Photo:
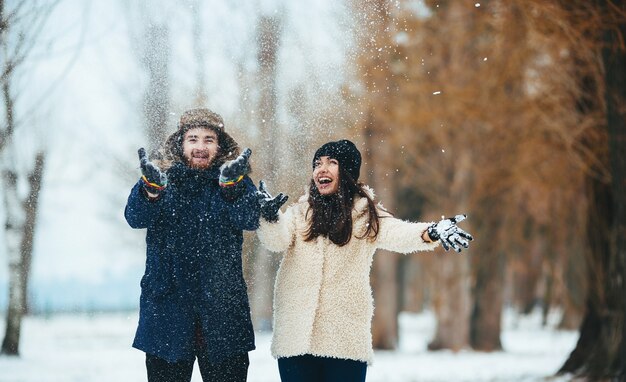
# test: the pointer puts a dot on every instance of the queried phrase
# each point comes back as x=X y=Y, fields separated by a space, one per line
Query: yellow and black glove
x=154 y=180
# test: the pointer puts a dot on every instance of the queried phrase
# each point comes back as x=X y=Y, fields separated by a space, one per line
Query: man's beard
x=204 y=164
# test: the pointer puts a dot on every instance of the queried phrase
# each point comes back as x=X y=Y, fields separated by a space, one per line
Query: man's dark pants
x=233 y=369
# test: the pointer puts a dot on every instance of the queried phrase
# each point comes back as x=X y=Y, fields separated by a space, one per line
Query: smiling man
x=200 y=145
x=195 y=203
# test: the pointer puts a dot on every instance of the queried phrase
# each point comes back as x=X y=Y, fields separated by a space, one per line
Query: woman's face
x=326 y=175
x=200 y=147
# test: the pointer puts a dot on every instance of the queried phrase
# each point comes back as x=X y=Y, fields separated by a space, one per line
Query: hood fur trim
x=360 y=204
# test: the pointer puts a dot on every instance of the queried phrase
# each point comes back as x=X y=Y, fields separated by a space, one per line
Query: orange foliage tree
x=481 y=105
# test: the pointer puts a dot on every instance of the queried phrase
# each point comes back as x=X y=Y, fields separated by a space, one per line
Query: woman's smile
x=326 y=175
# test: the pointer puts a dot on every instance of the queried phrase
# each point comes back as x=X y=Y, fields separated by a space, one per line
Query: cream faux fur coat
x=323 y=302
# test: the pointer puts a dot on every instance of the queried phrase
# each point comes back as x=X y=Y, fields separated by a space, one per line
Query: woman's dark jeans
x=308 y=368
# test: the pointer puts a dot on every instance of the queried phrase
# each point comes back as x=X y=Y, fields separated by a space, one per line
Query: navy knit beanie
x=345 y=152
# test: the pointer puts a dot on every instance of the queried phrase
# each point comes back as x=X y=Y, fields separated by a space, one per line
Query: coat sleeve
x=278 y=236
x=140 y=212
x=244 y=211
x=402 y=236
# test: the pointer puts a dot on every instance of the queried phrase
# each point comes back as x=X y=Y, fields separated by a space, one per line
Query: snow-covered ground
x=96 y=348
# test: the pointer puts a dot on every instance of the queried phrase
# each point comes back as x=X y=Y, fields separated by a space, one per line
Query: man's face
x=200 y=147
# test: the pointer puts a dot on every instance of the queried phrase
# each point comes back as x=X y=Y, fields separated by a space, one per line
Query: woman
x=322 y=297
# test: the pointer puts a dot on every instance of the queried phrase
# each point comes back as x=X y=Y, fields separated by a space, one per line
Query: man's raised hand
x=154 y=180
x=233 y=171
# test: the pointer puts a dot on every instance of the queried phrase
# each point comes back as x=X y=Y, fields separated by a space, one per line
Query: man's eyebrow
x=192 y=136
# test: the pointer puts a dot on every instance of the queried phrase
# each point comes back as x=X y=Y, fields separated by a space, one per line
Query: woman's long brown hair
x=332 y=214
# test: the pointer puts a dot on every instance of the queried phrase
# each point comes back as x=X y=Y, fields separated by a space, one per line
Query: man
x=195 y=205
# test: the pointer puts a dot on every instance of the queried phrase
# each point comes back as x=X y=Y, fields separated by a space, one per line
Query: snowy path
x=82 y=348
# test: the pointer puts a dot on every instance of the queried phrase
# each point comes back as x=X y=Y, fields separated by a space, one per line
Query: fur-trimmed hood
x=360 y=203
x=171 y=151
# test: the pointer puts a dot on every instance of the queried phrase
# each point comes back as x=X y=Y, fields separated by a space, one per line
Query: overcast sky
x=83 y=91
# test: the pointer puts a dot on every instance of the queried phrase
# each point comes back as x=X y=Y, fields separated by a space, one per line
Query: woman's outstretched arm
x=403 y=236
x=278 y=236
x=276 y=230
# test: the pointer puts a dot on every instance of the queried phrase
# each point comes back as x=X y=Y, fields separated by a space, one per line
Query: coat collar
x=190 y=180
x=360 y=203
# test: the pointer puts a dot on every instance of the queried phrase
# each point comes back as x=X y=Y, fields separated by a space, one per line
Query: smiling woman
x=336 y=169
x=326 y=175
x=322 y=296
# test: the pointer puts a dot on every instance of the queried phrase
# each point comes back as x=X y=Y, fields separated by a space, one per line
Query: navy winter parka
x=193 y=277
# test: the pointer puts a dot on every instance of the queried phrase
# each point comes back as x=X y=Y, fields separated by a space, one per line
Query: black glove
x=231 y=176
x=269 y=205
x=233 y=171
x=154 y=180
x=449 y=234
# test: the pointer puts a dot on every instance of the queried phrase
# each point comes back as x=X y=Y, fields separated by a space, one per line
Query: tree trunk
x=385 y=288
x=489 y=268
x=452 y=300
x=265 y=263
x=490 y=261
x=413 y=284
x=592 y=345
x=614 y=57
x=600 y=351
x=15 y=221
x=198 y=52
x=575 y=282
x=413 y=275
x=384 y=277
x=157 y=96
x=20 y=222
x=25 y=24
x=485 y=324
x=528 y=275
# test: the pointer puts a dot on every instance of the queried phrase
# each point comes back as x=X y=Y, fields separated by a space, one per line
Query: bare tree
x=198 y=51
x=20 y=29
x=156 y=56
x=384 y=276
x=20 y=232
x=149 y=35
x=268 y=42
x=374 y=39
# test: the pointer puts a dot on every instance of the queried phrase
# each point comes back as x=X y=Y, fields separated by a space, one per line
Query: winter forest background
x=512 y=111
